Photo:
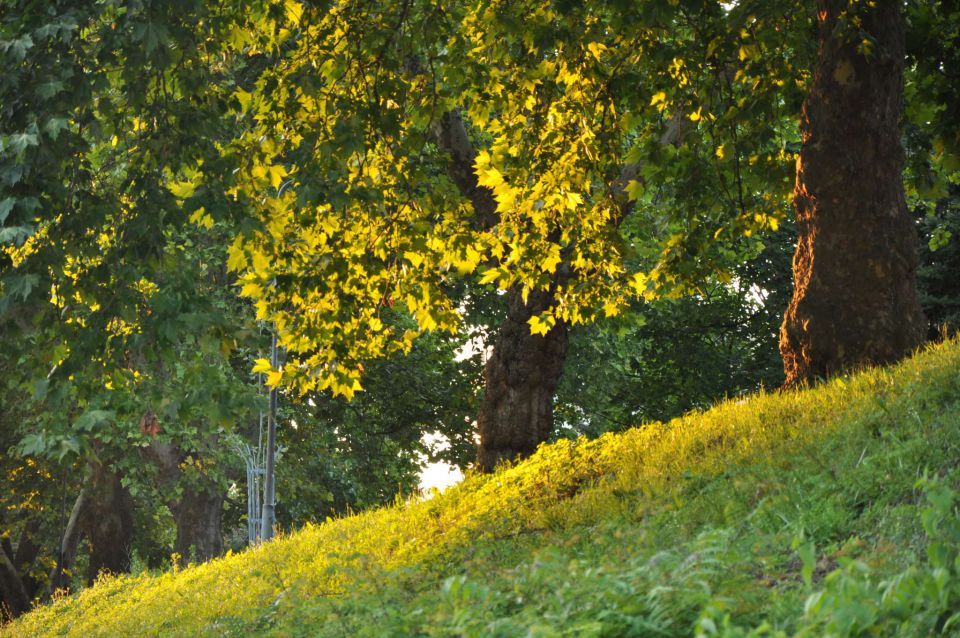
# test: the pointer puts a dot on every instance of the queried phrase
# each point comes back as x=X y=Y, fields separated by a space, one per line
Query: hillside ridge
x=775 y=515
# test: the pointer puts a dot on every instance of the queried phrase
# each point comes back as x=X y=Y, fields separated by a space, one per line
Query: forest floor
x=830 y=511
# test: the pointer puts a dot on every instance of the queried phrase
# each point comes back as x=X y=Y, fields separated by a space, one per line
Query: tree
x=397 y=150
x=855 y=298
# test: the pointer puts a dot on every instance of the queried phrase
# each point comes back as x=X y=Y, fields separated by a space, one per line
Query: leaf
x=54 y=125
x=749 y=52
x=95 y=419
x=33 y=445
x=6 y=206
x=20 y=285
x=549 y=263
x=262 y=365
x=236 y=256
x=15 y=234
x=541 y=324
x=273 y=378
x=490 y=275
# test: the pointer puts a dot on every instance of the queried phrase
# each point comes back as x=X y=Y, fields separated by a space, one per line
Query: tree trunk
x=15 y=600
x=198 y=513
x=27 y=551
x=108 y=523
x=60 y=574
x=855 y=299
x=520 y=380
x=521 y=376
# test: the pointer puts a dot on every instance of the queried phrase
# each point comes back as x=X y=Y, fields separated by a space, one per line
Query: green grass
x=822 y=512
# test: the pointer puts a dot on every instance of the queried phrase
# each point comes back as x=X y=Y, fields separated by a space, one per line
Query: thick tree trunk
x=520 y=380
x=198 y=512
x=855 y=299
x=107 y=523
x=521 y=376
x=198 y=515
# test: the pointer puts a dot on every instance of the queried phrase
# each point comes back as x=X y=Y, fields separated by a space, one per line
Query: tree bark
x=521 y=375
x=520 y=379
x=198 y=513
x=107 y=522
x=855 y=300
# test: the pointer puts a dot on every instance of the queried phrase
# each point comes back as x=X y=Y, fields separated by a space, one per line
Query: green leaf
x=54 y=125
x=33 y=445
x=95 y=419
x=6 y=206
x=15 y=234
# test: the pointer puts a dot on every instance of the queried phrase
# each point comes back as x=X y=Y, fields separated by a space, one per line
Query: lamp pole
x=269 y=482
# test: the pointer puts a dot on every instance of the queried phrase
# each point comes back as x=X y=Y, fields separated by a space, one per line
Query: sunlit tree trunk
x=855 y=299
x=520 y=380
x=521 y=375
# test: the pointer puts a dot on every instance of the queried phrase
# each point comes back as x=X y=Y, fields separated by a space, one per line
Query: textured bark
x=69 y=543
x=520 y=378
x=107 y=522
x=855 y=300
x=198 y=512
x=523 y=371
x=451 y=135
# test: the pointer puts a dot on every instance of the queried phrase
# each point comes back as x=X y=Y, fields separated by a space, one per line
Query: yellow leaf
x=182 y=190
x=273 y=378
x=611 y=308
x=200 y=218
x=250 y=290
x=261 y=262
x=489 y=177
x=720 y=151
x=596 y=48
x=541 y=324
x=261 y=365
x=236 y=258
x=658 y=98
x=414 y=258
x=489 y=276
x=695 y=116
x=550 y=262
x=277 y=173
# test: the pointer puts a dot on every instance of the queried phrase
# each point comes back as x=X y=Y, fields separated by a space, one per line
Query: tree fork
x=521 y=375
x=855 y=300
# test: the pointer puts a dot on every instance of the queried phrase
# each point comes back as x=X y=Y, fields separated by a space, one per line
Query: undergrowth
x=830 y=511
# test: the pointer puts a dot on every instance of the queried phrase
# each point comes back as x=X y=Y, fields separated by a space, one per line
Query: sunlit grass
x=738 y=511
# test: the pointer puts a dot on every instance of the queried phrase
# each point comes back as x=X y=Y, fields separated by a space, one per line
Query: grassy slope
x=715 y=521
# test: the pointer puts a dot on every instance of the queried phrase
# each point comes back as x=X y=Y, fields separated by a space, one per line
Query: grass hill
x=830 y=511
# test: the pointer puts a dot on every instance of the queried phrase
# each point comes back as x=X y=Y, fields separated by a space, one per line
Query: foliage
x=715 y=521
x=578 y=115
x=668 y=356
